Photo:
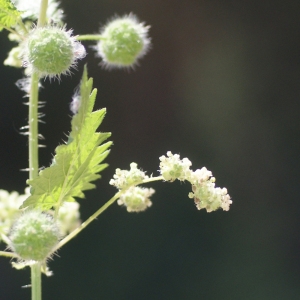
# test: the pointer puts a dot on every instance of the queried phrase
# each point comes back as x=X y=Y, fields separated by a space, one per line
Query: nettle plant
x=36 y=224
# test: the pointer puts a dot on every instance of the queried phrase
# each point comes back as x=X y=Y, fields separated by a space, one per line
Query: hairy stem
x=36 y=275
x=36 y=281
x=33 y=127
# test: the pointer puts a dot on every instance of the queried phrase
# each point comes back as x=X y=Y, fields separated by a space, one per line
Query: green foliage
x=9 y=15
x=76 y=163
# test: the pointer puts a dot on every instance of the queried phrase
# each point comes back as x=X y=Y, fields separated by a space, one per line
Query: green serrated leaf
x=9 y=15
x=77 y=163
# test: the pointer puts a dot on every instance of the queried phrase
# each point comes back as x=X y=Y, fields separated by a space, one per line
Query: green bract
x=34 y=236
x=124 y=40
x=52 y=51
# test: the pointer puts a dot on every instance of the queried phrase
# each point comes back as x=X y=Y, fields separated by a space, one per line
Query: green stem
x=8 y=254
x=33 y=127
x=14 y=32
x=36 y=275
x=20 y=22
x=97 y=213
x=88 y=221
x=89 y=37
x=36 y=281
x=43 y=13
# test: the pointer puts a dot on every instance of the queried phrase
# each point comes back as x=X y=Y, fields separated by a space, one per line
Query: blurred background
x=219 y=86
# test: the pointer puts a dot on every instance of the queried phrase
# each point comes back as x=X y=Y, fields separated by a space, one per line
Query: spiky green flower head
x=124 y=41
x=52 y=51
x=34 y=236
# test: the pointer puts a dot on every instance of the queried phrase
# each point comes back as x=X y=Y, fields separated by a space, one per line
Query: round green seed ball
x=34 y=236
x=124 y=40
x=50 y=51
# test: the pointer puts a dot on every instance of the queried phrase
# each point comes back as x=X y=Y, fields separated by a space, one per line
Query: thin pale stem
x=8 y=254
x=33 y=127
x=43 y=13
x=36 y=281
x=97 y=213
x=20 y=22
x=14 y=32
x=87 y=222
x=89 y=37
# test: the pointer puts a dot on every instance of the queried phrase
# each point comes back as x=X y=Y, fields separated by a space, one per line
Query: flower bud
x=34 y=236
x=52 y=51
x=124 y=41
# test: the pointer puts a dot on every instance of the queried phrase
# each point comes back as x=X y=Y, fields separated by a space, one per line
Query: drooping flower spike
x=205 y=194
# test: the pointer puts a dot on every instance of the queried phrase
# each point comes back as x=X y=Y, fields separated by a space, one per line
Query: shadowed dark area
x=219 y=86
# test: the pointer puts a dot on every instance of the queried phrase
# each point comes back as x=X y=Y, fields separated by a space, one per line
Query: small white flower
x=199 y=176
x=9 y=209
x=136 y=199
x=205 y=194
x=68 y=217
x=124 y=179
x=172 y=167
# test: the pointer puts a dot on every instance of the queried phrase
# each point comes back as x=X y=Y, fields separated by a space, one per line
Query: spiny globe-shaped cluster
x=124 y=40
x=52 y=51
x=34 y=236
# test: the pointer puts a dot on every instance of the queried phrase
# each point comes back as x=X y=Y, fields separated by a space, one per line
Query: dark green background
x=221 y=87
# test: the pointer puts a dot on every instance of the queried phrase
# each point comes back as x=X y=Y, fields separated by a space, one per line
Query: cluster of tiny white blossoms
x=205 y=194
x=123 y=179
x=172 y=167
x=68 y=217
x=135 y=198
x=9 y=209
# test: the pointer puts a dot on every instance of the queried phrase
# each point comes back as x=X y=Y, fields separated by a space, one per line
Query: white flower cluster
x=123 y=179
x=172 y=167
x=205 y=194
x=136 y=199
x=9 y=209
x=68 y=217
